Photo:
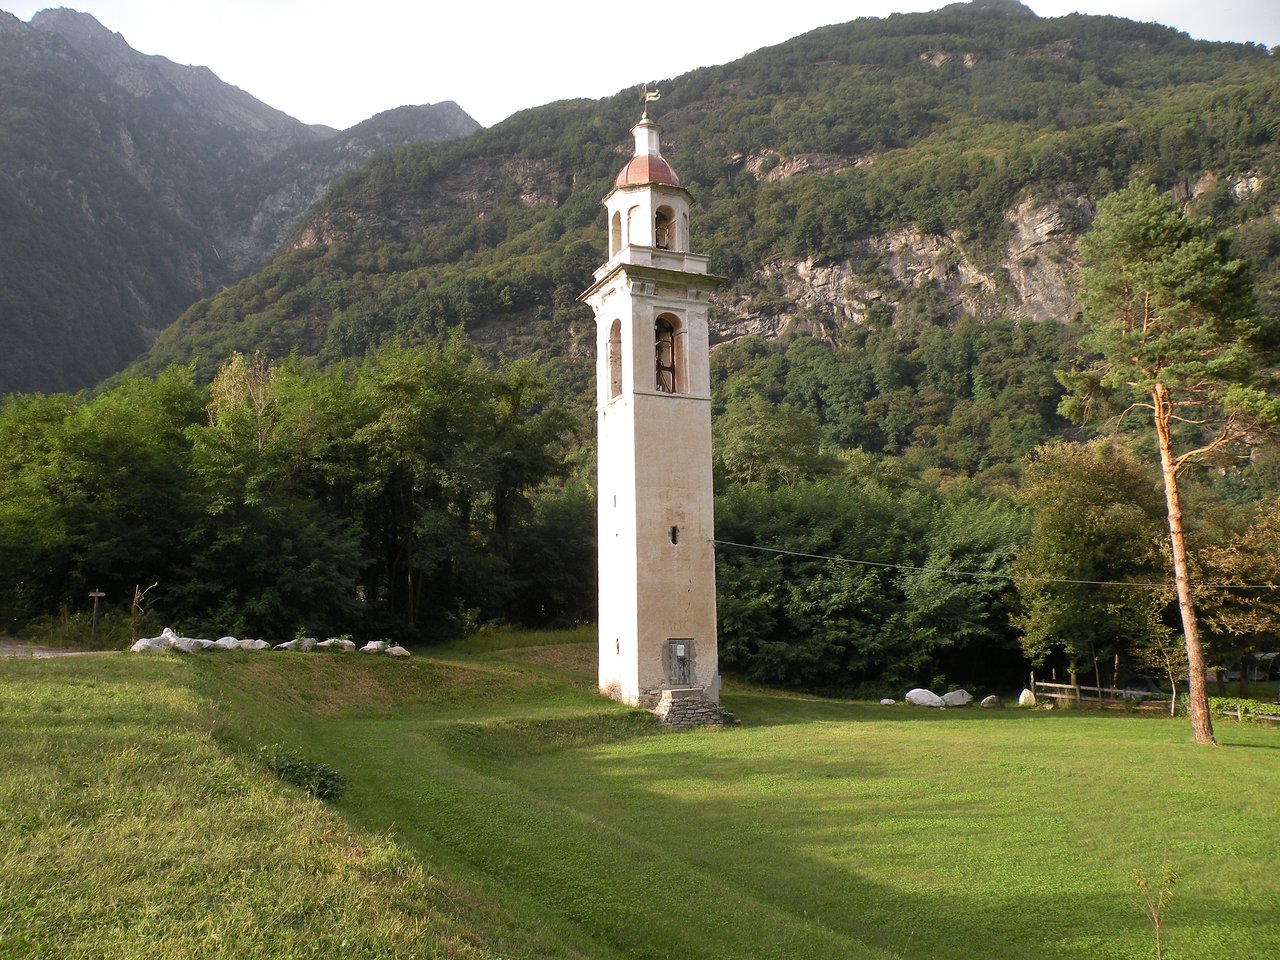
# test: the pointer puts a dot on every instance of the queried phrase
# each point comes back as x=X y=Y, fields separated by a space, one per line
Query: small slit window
x=615 y=359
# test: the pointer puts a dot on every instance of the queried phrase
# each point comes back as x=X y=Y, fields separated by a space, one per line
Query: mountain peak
x=85 y=33
x=1003 y=8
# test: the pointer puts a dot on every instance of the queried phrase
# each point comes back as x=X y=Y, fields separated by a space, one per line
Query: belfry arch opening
x=615 y=234
x=668 y=361
x=664 y=229
x=615 y=359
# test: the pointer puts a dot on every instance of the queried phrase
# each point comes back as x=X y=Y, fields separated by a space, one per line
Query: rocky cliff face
x=270 y=206
x=1034 y=277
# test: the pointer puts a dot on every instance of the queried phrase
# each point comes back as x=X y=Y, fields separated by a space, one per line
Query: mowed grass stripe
x=633 y=894
x=999 y=835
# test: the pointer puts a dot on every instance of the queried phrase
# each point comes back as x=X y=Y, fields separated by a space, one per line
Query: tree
x=1097 y=522
x=758 y=442
x=1242 y=607
x=958 y=619
x=1170 y=319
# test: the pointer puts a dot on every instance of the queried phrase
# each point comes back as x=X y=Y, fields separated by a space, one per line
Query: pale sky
x=338 y=62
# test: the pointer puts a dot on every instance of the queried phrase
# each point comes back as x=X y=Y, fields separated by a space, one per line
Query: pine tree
x=1172 y=322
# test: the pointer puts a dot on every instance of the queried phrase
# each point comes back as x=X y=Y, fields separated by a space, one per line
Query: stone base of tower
x=685 y=708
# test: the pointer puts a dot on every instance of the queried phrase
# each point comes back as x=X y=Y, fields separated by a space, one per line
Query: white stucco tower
x=656 y=558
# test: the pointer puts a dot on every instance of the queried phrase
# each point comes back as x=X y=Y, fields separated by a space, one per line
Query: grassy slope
x=554 y=824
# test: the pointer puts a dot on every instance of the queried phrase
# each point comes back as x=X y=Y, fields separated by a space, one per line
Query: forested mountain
x=896 y=174
x=130 y=186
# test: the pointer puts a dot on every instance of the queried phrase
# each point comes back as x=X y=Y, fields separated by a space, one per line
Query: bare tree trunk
x=1198 y=698
x=1173 y=686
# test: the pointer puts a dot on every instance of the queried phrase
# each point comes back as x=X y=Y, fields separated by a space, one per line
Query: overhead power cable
x=982 y=575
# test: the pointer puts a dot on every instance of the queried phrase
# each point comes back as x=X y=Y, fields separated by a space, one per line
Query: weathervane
x=648 y=96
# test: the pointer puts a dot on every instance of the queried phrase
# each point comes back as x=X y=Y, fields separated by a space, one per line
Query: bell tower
x=657 y=614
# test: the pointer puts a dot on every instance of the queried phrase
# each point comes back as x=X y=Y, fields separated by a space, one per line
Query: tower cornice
x=707 y=281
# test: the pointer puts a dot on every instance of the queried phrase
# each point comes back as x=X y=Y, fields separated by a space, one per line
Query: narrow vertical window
x=615 y=234
x=615 y=359
x=666 y=355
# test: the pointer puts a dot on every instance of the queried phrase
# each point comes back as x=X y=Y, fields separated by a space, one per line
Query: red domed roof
x=649 y=168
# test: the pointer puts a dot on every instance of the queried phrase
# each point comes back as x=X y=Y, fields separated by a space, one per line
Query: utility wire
x=980 y=575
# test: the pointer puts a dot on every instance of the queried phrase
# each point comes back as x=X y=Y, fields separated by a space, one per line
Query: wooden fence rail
x=1079 y=693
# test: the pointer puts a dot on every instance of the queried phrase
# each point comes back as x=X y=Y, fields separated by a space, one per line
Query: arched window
x=615 y=358
x=666 y=355
x=635 y=226
x=615 y=234
x=664 y=229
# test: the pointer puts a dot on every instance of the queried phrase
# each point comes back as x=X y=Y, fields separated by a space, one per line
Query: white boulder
x=375 y=646
x=301 y=644
x=923 y=698
x=992 y=703
x=957 y=698
x=1026 y=699
x=189 y=644
x=398 y=651
x=336 y=643
x=887 y=702
x=247 y=644
x=227 y=643
x=150 y=645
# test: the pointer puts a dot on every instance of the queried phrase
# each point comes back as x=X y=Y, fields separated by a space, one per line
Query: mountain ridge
x=149 y=75
x=132 y=186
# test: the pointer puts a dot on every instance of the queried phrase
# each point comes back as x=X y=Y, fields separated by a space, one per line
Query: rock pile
x=954 y=698
x=168 y=640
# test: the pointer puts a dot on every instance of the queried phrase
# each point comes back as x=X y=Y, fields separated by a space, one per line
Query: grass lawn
x=499 y=808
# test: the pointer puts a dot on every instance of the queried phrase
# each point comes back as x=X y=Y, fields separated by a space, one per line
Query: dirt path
x=30 y=651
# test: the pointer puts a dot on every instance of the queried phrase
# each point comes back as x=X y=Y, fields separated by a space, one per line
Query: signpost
x=97 y=595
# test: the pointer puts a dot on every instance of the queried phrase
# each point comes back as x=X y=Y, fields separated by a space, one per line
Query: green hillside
x=498 y=808
x=807 y=151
